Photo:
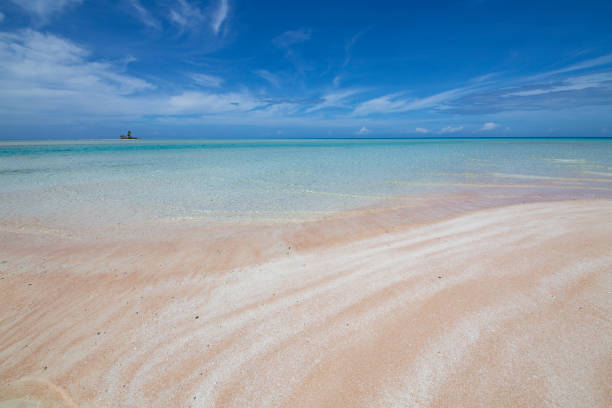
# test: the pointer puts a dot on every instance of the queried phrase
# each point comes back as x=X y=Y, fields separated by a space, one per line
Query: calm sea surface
x=122 y=181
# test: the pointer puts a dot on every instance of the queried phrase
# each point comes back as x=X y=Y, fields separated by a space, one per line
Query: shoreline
x=426 y=314
x=440 y=138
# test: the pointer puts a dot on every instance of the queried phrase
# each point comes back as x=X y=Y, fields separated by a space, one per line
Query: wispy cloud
x=349 y=46
x=334 y=100
x=269 y=76
x=287 y=42
x=394 y=103
x=219 y=16
x=43 y=73
x=144 y=15
x=1 y=16
x=347 y=56
x=291 y=37
x=383 y=104
x=568 y=89
x=33 y=59
x=587 y=89
x=207 y=80
x=435 y=100
x=186 y=16
x=486 y=77
x=211 y=103
x=488 y=126
x=569 y=84
x=43 y=10
x=590 y=63
x=273 y=111
x=337 y=79
x=451 y=129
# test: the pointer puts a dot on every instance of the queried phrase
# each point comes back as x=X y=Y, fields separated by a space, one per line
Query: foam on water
x=140 y=181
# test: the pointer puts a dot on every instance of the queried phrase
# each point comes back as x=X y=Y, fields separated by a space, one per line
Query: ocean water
x=98 y=182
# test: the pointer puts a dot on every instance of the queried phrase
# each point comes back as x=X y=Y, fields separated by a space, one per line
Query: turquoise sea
x=135 y=181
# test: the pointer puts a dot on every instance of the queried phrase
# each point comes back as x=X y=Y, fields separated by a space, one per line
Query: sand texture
x=500 y=307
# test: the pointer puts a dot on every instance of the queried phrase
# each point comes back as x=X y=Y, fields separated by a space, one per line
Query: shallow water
x=97 y=182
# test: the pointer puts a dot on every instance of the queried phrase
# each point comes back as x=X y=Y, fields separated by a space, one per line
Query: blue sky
x=232 y=68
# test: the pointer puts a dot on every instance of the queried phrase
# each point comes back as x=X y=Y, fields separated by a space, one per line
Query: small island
x=129 y=135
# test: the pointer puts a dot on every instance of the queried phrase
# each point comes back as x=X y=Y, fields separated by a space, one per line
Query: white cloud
x=451 y=129
x=269 y=76
x=144 y=15
x=594 y=62
x=334 y=99
x=206 y=80
x=42 y=73
x=421 y=130
x=337 y=79
x=1 y=16
x=207 y=103
x=276 y=111
x=291 y=37
x=485 y=77
x=363 y=131
x=50 y=78
x=44 y=9
x=30 y=59
x=287 y=42
x=186 y=16
x=219 y=16
x=382 y=104
x=434 y=100
x=392 y=103
x=576 y=83
x=349 y=46
x=489 y=126
x=573 y=91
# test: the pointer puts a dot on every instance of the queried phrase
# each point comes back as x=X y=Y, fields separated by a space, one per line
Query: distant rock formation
x=129 y=135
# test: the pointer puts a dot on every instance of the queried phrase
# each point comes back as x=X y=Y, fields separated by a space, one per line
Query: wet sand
x=506 y=306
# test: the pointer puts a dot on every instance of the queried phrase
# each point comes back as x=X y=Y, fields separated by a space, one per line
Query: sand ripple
x=499 y=307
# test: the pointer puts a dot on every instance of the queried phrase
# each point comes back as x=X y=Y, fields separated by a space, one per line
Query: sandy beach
x=505 y=306
x=346 y=204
